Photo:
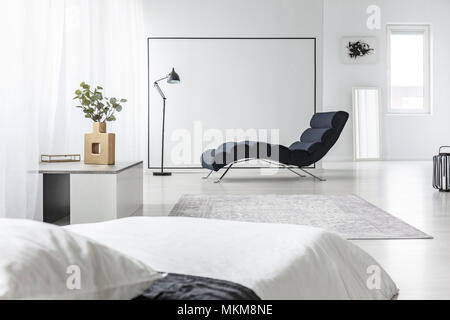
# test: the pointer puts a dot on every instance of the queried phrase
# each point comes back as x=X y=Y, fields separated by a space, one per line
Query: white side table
x=91 y=193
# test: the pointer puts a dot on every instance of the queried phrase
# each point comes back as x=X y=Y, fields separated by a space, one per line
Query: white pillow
x=43 y=261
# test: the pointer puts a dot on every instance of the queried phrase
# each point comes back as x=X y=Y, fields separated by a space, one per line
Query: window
x=409 y=69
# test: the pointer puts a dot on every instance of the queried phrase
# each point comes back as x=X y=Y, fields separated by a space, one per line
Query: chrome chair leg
x=208 y=175
x=312 y=175
x=223 y=175
x=284 y=166
x=300 y=175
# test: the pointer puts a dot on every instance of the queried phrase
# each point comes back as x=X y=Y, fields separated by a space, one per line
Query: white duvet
x=277 y=261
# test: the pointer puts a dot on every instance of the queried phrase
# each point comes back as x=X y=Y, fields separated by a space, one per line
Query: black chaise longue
x=314 y=144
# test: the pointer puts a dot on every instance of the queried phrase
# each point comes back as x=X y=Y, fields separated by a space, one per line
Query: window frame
x=427 y=76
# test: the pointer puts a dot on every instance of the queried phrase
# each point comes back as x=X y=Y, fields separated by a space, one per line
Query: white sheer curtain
x=19 y=181
x=55 y=45
x=101 y=43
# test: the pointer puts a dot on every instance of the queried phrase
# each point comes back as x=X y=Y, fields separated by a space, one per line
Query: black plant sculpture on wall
x=358 y=49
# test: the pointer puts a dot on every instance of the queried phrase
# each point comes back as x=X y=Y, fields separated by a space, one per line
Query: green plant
x=95 y=106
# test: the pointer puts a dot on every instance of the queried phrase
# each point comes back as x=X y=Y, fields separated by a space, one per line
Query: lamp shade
x=173 y=77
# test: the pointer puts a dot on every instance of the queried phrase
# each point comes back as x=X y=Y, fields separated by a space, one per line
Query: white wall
x=234 y=18
x=231 y=90
x=403 y=136
x=239 y=18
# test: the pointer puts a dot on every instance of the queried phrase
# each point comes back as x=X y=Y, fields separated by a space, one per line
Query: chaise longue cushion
x=309 y=147
x=314 y=143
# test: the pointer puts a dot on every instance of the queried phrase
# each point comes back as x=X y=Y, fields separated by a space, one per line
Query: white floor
x=421 y=268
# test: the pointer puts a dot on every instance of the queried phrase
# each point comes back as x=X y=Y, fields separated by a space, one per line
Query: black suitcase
x=441 y=170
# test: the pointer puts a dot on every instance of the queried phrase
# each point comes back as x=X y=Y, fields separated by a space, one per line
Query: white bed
x=276 y=261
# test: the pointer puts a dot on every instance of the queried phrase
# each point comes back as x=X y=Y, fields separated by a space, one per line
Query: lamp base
x=162 y=174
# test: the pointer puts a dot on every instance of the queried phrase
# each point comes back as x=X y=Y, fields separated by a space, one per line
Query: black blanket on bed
x=185 y=287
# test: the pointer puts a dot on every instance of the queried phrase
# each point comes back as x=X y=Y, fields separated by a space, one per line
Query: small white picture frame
x=359 y=50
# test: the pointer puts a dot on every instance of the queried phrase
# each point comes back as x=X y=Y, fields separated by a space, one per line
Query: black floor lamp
x=172 y=78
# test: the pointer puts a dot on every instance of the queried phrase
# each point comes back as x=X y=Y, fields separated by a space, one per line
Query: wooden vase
x=99 y=146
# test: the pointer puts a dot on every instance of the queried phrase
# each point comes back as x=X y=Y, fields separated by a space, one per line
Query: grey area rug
x=347 y=215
